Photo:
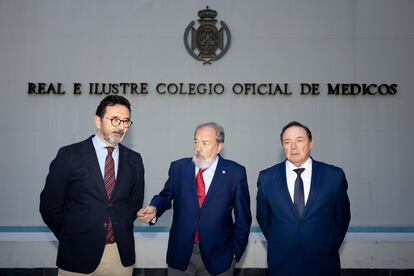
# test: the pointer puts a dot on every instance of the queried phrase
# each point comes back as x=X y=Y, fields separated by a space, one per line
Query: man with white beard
x=205 y=192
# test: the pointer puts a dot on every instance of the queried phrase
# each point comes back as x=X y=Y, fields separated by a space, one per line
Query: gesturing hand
x=147 y=213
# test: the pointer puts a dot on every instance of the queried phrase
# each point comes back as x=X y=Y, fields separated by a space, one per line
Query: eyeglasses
x=116 y=122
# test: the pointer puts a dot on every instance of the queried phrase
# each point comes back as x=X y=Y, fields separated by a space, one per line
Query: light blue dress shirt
x=102 y=151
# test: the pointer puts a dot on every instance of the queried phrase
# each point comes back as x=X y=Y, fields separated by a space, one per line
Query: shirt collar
x=307 y=165
x=212 y=167
x=99 y=143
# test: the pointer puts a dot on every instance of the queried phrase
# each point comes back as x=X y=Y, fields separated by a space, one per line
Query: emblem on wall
x=204 y=41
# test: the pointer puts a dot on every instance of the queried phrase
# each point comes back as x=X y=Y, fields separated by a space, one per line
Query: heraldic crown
x=207 y=13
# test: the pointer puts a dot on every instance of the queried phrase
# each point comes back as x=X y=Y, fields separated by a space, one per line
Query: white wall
x=315 y=41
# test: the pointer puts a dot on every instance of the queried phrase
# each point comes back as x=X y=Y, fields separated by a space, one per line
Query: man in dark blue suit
x=204 y=238
x=302 y=209
x=92 y=193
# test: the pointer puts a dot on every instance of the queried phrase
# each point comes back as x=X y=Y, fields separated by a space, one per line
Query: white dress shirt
x=208 y=174
x=306 y=178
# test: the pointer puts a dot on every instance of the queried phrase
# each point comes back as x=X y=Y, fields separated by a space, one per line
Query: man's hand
x=147 y=213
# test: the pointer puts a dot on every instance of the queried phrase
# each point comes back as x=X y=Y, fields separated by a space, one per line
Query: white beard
x=204 y=164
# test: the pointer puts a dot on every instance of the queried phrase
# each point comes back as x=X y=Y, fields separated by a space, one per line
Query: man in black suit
x=92 y=194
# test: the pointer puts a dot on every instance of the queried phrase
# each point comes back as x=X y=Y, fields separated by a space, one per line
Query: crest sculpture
x=206 y=42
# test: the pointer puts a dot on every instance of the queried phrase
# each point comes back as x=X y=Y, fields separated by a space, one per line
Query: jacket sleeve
x=137 y=192
x=52 y=197
x=342 y=213
x=262 y=208
x=242 y=216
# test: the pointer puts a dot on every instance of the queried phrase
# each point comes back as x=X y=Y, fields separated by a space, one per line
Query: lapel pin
x=223 y=172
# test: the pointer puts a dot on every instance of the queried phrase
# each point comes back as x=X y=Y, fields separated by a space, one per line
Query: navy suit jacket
x=220 y=237
x=307 y=246
x=74 y=205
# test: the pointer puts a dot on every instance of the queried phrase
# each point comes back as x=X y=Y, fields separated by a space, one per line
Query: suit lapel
x=91 y=160
x=122 y=163
x=189 y=178
x=216 y=182
x=314 y=187
x=280 y=178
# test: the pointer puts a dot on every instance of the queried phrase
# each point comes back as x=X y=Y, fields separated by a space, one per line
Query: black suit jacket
x=74 y=205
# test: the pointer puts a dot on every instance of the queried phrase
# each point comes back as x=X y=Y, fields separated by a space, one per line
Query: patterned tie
x=299 y=198
x=201 y=187
x=201 y=193
x=109 y=181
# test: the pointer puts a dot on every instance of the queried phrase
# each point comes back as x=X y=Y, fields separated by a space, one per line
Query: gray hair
x=219 y=130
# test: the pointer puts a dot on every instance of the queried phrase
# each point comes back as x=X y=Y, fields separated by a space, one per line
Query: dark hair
x=219 y=130
x=111 y=100
x=296 y=124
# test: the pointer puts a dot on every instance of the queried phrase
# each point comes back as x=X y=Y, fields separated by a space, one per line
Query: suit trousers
x=197 y=268
x=110 y=265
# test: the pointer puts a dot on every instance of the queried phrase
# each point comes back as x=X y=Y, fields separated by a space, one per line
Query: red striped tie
x=109 y=181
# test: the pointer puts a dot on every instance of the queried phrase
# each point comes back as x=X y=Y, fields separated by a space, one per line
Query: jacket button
x=110 y=204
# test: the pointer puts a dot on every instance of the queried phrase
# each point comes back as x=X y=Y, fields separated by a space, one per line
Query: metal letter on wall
x=207 y=43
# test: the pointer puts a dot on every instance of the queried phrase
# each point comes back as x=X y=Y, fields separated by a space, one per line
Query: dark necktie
x=299 y=198
x=201 y=192
x=109 y=181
